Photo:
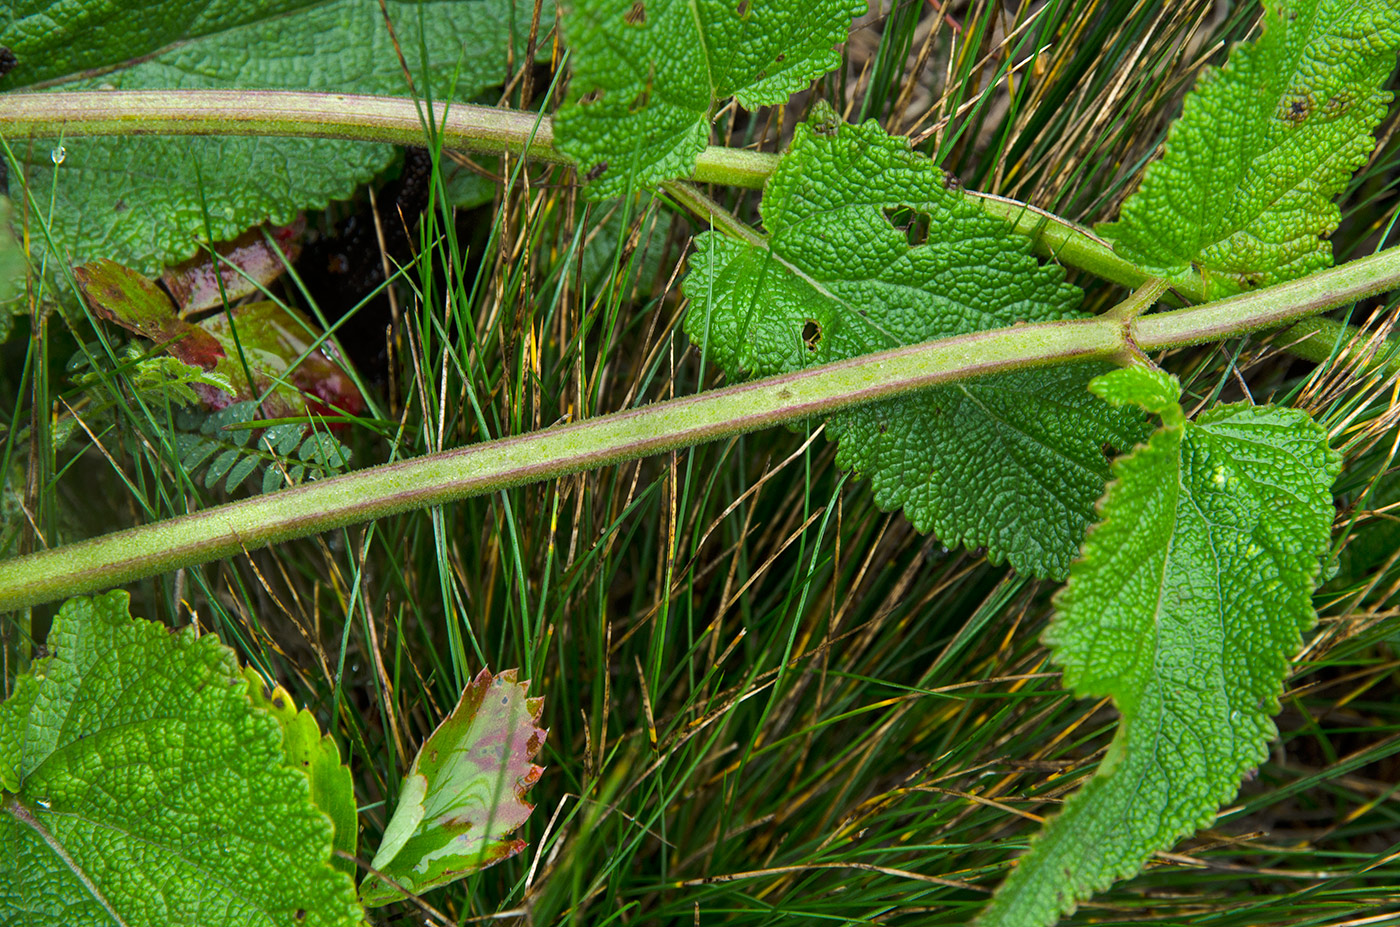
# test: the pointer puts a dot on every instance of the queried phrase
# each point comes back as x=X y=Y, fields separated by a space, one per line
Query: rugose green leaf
x=140 y=787
x=1191 y=595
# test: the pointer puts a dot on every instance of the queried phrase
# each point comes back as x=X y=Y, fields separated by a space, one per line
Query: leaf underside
x=1244 y=190
x=144 y=201
x=142 y=788
x=868 y=250
x=464 y=793
x=1191 y=596
x=646 y=75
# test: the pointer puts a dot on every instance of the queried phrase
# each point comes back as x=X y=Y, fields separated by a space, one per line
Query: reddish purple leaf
x=273 y=338
x=248 y=260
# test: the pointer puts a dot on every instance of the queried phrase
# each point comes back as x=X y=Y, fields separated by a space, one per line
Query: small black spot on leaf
x=637 y=16
x=743 y=8
x=592 y=96
x=596 y=171
x=781 y=57
x=1297 y=109
x=761 y=74
x=812 y=334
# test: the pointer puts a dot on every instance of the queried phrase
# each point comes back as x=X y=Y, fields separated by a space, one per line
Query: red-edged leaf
x=464 y=793
x=272 y=339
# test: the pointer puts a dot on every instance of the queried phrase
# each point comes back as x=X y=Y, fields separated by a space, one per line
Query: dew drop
x=58 y=154
x=1236 y=717
x=43 y=803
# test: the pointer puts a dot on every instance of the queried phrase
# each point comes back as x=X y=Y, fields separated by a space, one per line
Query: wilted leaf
x=464 y=792
x=268 y=337
x=204 y=282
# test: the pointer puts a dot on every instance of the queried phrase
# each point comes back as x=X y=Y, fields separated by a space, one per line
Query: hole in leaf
x=596 y=171
x=640 y=101
x=592 y=96
x=910 y=222
x=7 y=61
x=781 y=57
x=1109 y=450
x=812 y=334
x=952 y=182
x=636 y=16
x=743 y=8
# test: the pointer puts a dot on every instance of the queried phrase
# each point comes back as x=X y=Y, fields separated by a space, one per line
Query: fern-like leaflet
x=222 y=446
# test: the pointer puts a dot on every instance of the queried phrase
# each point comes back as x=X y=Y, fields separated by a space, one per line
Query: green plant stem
x=487 y=129
x=320 y=115
x=227 y=530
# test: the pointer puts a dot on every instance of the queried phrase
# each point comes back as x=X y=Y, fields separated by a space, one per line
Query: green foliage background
x=766 y=697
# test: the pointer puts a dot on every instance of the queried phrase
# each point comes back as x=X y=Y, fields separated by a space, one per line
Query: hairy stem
x=486 y=129
x=349 y=116
x=376 y=492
